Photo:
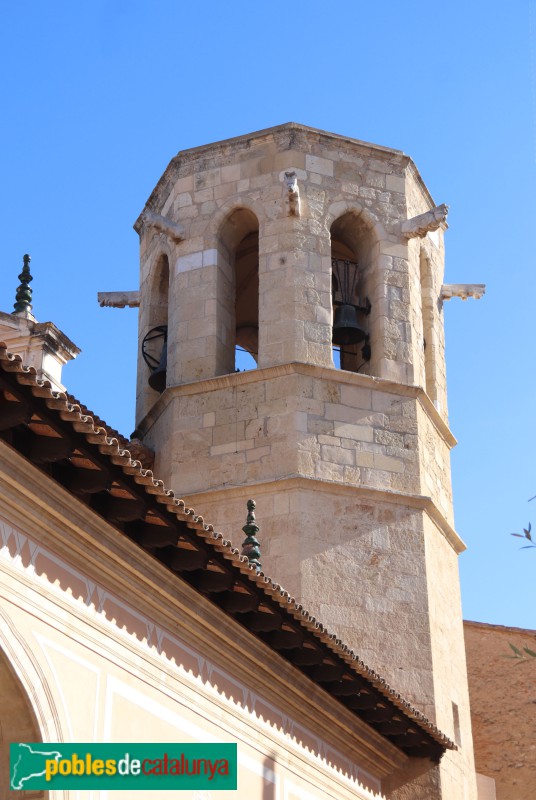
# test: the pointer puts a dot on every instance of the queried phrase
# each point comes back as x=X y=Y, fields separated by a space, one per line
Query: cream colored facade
x=102 y=643
x=350 y=468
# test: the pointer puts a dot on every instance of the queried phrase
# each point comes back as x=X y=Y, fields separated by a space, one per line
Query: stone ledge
x=238 y=379
x=292 y=482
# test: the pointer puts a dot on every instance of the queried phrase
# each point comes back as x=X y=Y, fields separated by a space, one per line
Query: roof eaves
x=112 y=446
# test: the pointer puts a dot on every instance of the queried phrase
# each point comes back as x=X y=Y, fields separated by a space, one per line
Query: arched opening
x=351 y=263
x=154 y=341
x=429 y=343
x=240 y=293
x=17 y=723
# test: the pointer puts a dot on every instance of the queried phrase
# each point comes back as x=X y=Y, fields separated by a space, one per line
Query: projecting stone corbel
x=119 y=299
x=424 y=223
x=291 y=181
x=173 y=230
x=462 y=290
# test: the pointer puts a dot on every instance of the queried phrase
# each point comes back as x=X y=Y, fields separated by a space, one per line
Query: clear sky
x=98 y=96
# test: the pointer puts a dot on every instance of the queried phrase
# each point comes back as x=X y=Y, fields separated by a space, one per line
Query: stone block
x=387 y=463
x=189 y=262
x=394 y=183
x=210 y=257
x=363 y=458
x=319 y=165
x=362 y=433
x=320 y=426
x=388 y=248
x=327 y=471
x=203 y=195
x=224 y=190
x=231 y=447
x=208 y=178
x=185 y=184
x=230 y=173
x=337 y=455
x=330 y=440
x=183 y=199
x=356 y=396
x=375 y=179
x=257 y=453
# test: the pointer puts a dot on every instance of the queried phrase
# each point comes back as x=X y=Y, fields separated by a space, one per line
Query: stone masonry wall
x=449 y=667
x=350 y=470
x=336 y=176
x=354 y=561
x=300 y=421
x=426 y=267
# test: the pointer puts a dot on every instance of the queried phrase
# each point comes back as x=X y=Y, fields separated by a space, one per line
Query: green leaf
x=516 y=650
x=529 y=652
x=519 y=535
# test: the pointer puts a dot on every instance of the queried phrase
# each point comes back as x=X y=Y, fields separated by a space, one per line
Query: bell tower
x=319 y=259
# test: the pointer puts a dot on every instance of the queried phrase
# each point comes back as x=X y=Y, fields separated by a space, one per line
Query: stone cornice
x=237 y=379
x=292 y=127
x=297 y=482
x=187 y=160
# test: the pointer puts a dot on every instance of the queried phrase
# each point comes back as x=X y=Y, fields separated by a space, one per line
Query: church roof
x=91 y=461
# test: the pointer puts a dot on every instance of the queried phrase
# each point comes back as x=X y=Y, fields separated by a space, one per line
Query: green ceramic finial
x=23 y=298
x=250 y=546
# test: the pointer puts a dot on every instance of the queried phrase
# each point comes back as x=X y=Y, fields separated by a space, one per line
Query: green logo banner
x=38 y=766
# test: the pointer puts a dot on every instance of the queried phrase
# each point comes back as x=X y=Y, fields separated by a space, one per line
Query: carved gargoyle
x=463 y=290
x=162 y=224
x=291 y=181
x=119 y=299
x=424 y=223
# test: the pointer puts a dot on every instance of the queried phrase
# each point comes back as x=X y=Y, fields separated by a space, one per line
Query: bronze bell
x=157 y=378
x=346 y=329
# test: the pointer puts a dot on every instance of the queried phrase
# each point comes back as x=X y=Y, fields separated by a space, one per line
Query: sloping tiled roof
x=87 y=458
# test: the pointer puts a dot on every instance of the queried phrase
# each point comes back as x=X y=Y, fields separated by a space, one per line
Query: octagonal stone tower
x=258 y=242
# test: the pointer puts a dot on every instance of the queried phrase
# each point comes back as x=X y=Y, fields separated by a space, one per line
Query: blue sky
x=98 y=97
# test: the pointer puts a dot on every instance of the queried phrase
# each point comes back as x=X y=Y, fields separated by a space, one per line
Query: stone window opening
x=428 y=333
x=154 y=341
x=350 y=304
x=239 y=291
x=247 y=302
x=456 y=723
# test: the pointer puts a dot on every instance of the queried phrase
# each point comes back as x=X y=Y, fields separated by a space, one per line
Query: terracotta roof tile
x=115 y=448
